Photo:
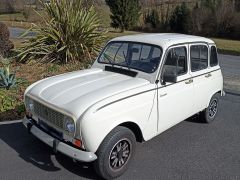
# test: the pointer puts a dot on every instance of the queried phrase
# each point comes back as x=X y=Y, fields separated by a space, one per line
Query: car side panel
x=216 y=83
x=97 y=123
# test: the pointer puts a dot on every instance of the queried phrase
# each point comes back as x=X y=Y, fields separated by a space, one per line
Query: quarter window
x=213 y=57
x=176 y=61
x=199 y=57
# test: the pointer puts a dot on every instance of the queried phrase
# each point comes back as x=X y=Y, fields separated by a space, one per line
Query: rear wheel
x=210 y=113
x=115 y=153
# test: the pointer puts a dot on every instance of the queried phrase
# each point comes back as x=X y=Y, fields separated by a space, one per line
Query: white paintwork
x=64 y=148
x=98 y=100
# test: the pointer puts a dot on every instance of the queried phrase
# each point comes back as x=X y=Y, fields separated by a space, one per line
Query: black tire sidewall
x=209 y=119
x=102 y=164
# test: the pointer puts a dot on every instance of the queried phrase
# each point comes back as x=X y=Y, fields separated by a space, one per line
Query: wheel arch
x=135 y=129
x=220 y=92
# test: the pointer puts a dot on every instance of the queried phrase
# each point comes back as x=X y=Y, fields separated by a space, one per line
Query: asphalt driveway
x=231 y=72
x=190 y=150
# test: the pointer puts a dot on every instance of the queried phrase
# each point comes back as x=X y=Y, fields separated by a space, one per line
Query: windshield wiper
x=125 y=58
x=108 y=59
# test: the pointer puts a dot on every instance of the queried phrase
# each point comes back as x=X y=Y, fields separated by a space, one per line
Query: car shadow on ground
x=195 y=119
x=32 y=150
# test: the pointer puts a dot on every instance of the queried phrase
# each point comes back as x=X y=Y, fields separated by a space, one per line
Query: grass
x=19 y=20
x=226 y=46
x=17 y=42
x=12 y=17
x=112 y=33
x=15 y=20
x=19 y=24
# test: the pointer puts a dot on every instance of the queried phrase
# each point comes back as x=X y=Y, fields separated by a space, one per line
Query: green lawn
x=226 y=46
x=12 y=17
x=112 y=33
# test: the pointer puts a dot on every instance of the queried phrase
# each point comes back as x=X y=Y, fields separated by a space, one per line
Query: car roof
x=164 y=39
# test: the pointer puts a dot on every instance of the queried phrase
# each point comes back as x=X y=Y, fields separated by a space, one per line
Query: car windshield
x=134 y=55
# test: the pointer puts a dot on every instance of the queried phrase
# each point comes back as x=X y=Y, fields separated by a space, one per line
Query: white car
x=139 y=86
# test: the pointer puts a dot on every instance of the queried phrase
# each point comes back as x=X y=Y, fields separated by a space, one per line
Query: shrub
x=180 y=19
x=5 y=44
x=224 y=13
x=7 y=79
x=152 y=17
x=201 y=21
x=215 y=18
x=124 y=13
x=70 y=32
x=7 y=101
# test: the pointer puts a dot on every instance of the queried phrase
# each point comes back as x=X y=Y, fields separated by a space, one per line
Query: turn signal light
x=28 y=115
x=77 y=143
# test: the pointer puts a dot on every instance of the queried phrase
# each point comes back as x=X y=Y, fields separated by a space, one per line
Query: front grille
x=49 y=115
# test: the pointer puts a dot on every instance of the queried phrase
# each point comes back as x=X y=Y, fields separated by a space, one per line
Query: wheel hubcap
x=213 y=108
x=120 y=154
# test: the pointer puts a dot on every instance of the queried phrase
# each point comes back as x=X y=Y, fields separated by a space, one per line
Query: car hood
x=75 y=92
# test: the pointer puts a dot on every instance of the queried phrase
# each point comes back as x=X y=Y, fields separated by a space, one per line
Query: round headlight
x=69 y=125
x=29 y=104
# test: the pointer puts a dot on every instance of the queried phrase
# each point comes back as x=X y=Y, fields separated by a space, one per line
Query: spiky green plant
x=7 y=79
x=69 y=32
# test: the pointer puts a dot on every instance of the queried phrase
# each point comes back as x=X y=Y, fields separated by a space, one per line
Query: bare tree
x=225 y=16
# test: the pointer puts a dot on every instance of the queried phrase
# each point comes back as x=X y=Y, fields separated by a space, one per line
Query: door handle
x=208 y=75
x=162 y=95
x=189 y=81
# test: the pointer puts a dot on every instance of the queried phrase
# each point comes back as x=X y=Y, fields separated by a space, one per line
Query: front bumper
x=57 y=145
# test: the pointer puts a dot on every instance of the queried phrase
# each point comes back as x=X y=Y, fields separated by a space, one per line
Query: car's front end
x=55 y=128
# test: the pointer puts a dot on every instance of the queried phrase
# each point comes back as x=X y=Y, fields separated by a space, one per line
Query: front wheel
x=115 y=153
x=210 y=113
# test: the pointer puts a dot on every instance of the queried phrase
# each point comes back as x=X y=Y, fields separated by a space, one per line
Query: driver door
x=175 y=100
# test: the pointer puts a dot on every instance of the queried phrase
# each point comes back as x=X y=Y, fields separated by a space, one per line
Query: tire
x=210 y=113
x=119 y=144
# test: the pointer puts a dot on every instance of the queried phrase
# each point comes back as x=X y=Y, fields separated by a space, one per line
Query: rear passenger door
x=200 y=71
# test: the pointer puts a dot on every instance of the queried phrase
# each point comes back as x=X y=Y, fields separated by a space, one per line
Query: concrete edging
x=10 y=122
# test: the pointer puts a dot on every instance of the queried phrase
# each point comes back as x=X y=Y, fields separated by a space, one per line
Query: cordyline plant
x=69 y=32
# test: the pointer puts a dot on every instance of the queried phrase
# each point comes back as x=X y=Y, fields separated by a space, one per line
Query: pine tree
x=124 y=13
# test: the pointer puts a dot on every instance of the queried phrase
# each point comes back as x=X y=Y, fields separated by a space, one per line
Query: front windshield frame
x=127 y=66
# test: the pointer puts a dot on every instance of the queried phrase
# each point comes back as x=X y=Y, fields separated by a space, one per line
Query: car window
x=139 y=56
x=199 y=57
x=111 y=51
x=121 y=53
x=176 y=61
x=213 y=56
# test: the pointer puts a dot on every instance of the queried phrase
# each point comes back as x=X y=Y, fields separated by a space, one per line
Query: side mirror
x=170 y=78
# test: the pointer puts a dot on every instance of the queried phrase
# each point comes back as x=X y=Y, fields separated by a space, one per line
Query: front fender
x=98 y=121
